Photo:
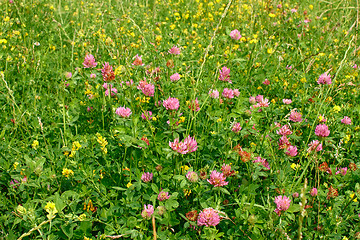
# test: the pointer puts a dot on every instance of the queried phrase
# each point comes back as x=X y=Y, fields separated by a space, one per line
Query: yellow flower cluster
x=102 y=141
x=51 y=209
x=75 y=147
x=35 y=144
x=67 y=172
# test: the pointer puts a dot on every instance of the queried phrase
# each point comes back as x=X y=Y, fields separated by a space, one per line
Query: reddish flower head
x=282 y=204
x=148 y=211
x=217 y=179
x=147 y=177
x=107 y=72
x=188 y=145
x=224 y=74
x=123 y=112
x=89 y=61
x=208 y=217
x=235 y=34
x=322 y=130
x=324 y=79
x=346 y=120
x=171 y=103
x=174 y=50
x=175 y=77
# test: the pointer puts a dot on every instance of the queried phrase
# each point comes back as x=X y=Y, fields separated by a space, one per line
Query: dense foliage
x=179 y=119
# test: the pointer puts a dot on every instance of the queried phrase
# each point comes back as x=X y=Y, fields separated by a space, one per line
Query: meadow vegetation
x=179 y=119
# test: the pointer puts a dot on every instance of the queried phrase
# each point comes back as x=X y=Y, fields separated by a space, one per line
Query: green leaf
x=155 y=188
x=68 y=229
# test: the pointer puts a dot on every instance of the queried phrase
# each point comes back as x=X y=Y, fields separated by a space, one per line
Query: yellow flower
x=303 y=80
x=129 y=184
x=184 y=168
x=67 y=172
x=35 y=144
x=272 y=15
x=6 y=19
x=352 y=195
x=213 y=132
x=219 y=120
x=295 y=166
x=337 y=109
x=270 y=50
x=51 y=209
x=15 y=165
x=187 y=192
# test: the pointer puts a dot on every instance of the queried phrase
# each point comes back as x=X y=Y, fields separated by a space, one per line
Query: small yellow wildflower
x=51 y=209
x=67 y=172
x=219 y=120
x=184 y=168
x=15 y=165
x=187 y=192
x=270 y=50
x=35 y=144
x=337 y=109
x=295 y=166
x=129 y=184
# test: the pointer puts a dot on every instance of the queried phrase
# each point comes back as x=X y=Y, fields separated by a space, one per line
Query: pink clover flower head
x=171 y=103
x=208 y=217
x=252 y=100
x=163 y=196
x=266 y=82
x=146 y=177
x=322 y=130
x=284 y=130
x=226 y=170
x=259 y=98
x=224 y=74
x=89 y=61
x=107 y=72
x=293 y=10
x=214 y=93
x=289 y=67
x=341 y=171
x=282 y=204
x=295 y=195
x=291 y=151
x=148 y=90
x=295 y=116
x=14 y=183
x=235 y=34
x=228 y=93
x=113 y=92
x=287 y=101
x=175 y=77
x=346 y=120
x=188 y=145
x=148 y=211
x=93 y=75
x=146 y=115
x=137 y=61
x=355 y=66
x=313 y=192
x=174 y=50
x=68 y=75
x=236 y=127
x=263 y=162
x=217 y=179
x=315 y=145
x=324 y=79
x=194 y=105
x=236 y=92
x=284 y=142
x=192 y=176
x=123 y=112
